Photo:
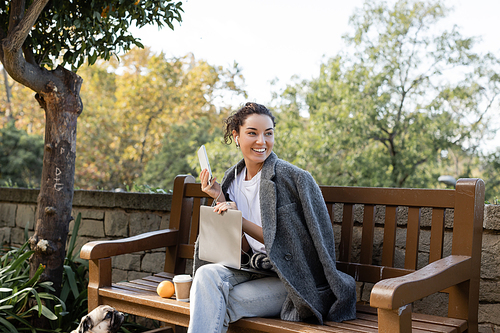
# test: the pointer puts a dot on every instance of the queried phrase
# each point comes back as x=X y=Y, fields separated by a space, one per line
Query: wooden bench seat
x=394 y=290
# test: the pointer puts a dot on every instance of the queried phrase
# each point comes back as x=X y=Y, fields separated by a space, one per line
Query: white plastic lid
x=182 y=278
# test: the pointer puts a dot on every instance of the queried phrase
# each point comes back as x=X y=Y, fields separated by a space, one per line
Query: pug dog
x=103 y=319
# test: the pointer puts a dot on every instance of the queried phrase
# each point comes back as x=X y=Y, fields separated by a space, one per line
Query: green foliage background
x=382 y=112
x=82 y=30
x=21 y=157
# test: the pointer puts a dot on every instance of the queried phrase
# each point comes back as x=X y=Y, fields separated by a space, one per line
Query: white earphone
x=237 y=143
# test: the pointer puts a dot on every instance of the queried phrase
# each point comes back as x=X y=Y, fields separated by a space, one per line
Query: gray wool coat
x=299 y=241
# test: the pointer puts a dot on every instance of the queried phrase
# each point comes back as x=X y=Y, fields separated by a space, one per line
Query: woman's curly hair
x=236 y=120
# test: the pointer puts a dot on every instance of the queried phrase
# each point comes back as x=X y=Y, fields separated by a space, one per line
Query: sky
x=277 y=39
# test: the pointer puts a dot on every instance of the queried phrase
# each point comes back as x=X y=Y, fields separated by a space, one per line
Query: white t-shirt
x=245 y=193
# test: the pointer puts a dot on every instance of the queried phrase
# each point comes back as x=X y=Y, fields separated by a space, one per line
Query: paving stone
x=489 y=291
x=8 y=215
x=89 y=214
x=143 y=222
x=435 y=304
x=129 y=262
x=25 y=214
x=165 y=221
x=90 y=228
x=119 y=275
x=491 y=217
x=133 y=275
x=17 y=236
x=116 y=223
x=5 y=235
x=153 y=262
x=488 y=328
x=489 y=313
x=490 y=260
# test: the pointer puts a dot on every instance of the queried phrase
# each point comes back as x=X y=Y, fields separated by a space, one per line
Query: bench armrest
x=394 y=293
x=146 y=241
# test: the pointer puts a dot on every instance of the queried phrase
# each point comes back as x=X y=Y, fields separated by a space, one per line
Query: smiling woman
x=285 y=225
x=252 y=129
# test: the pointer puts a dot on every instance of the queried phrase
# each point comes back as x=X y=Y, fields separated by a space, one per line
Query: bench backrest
x=405 y=208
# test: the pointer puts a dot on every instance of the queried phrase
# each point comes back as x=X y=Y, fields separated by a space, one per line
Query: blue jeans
x=220 y=295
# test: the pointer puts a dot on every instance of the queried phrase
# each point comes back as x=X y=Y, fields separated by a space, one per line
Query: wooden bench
x=394 y=290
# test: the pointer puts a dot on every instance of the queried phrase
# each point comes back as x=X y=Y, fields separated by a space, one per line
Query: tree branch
x=28 y=55
x=17 y=35
x=2 y=36
x=20 y=69
x=403 y=180
x=16 y=13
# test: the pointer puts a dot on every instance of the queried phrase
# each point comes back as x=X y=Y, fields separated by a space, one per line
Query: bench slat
x=345 y=247
x=355 y=325
x=390 y=196
x=437 y=234
x=185 y=251
x=194 y=190
x=151 y=305
x=367 y=236
x=371 y=273
x=415 y=324
x=276 y=325
x=459 y=324
x=145 y=298
x=165 y=275
x=154 y=278
x=389 y=246
x=195 y=221
x=330 y=208
x=412 y=238
x=132 y=287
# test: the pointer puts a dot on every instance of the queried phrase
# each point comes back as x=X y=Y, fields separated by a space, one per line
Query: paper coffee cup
x=182 y=285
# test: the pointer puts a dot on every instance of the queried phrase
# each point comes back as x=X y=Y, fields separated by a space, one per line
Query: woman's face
x=256 y=138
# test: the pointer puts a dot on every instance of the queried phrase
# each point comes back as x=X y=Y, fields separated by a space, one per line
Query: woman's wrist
x=219 y=195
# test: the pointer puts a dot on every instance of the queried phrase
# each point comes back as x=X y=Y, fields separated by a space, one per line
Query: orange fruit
x=165 y=289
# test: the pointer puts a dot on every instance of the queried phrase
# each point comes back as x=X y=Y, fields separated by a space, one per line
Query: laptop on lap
x=220 y=239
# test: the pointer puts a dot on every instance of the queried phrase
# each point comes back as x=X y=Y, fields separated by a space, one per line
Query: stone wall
x=105 y=215
x=109 y=215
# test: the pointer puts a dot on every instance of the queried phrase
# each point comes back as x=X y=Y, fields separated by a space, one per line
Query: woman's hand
x=221 y=207
x=212 y=188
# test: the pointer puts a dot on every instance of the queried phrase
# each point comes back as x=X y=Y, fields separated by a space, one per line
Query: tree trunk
x=62 y=108
x=58 y=93
x=8 y=107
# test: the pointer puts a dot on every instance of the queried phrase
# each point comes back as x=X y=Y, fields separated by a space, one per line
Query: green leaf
x=39 y=305
x=45 y=312
x=47 y=285
x=8 y=325
x=139 y=44
x=21 y=293
x=19 y=317
x=72 y=281
x=19 y=261
x=92 y=59
x=65 y=291
x=31 y=282
x=74 y=235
